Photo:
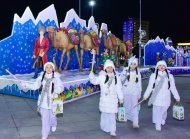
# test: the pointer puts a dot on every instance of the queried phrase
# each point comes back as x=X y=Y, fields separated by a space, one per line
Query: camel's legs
x=98 y=60
x=81 y=56
x=77 y=54
x=61 y=61
x=68 y=60
x=54 y=59
x=117 y=56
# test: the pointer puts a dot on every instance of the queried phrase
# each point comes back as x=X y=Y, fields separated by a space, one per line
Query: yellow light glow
x=181 y=44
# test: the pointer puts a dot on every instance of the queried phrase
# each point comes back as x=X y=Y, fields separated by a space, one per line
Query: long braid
x=115 y=77
x=43 y=76
x=155 y=78
x=40 y=89
x=168 y=78
x=107 y=77
x=137 y=75
x=52 y=89
x=128 y=76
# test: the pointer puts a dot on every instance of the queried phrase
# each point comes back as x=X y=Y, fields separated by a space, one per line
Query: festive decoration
x=93 y=52
x=128 y=30
x=156 y=50
x=113 y=56
x=104 y=57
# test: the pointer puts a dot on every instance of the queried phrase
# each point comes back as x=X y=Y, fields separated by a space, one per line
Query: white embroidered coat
x=108 y=97
x=58 y=88
x=131 y=87
x=164 y=96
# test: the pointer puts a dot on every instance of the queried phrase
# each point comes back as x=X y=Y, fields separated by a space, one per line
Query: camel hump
x=94 y=37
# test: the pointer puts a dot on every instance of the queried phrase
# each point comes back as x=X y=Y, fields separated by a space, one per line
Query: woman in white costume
x=132 y=88
x=161 y=85
x=50 y=86
x=110 y=85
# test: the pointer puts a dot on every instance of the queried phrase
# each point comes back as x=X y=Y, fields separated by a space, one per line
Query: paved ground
x=19 y=120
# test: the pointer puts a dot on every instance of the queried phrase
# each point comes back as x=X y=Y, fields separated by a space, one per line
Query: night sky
x=166 y=17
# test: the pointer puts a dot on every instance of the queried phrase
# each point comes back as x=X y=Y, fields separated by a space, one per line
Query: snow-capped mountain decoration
x=155 y=40
x=92 y=24
x=27 y=15
x=161 y=41
x=156 y=49
x=43 y=16
x=71 y=14
x=104 y=26
x=170 y=47
x=48 y=13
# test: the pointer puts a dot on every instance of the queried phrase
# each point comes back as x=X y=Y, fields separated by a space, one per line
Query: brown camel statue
x=111 y=43
x=60 y=41
x=87 y=43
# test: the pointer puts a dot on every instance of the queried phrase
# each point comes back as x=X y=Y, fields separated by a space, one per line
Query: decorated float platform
x=76 y=84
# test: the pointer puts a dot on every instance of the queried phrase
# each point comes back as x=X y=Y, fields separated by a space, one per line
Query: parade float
x=158 y=49
x=17 y=51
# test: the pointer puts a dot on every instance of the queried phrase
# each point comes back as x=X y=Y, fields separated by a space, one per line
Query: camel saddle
x=115 y=40
x=94 y=37
x=118 y=41
x=72 y=34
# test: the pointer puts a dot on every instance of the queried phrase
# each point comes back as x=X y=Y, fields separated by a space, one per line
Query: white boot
x=44 y=138
x=113 y=133
x=158 y=127
x=135 y=125
x=53 y=128
x=163 y=122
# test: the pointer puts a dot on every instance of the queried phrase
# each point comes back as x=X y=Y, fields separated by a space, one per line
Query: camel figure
x=60 y=41
x=86 y=43
x=115 y=44
x=112 y=44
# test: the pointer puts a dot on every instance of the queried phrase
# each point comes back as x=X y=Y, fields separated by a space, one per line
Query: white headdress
x=49 y=63
x=133 y=59
x=162 y=62
x=109 y=63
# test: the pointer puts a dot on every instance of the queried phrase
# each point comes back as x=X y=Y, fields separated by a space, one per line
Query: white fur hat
x=109 y=63
x=49 y=63
x=162 y=62
x=133 y=60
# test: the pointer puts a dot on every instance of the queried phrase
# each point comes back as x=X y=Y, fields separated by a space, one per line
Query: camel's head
x=129 y=45
x=50 y=29
x=51 y=33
